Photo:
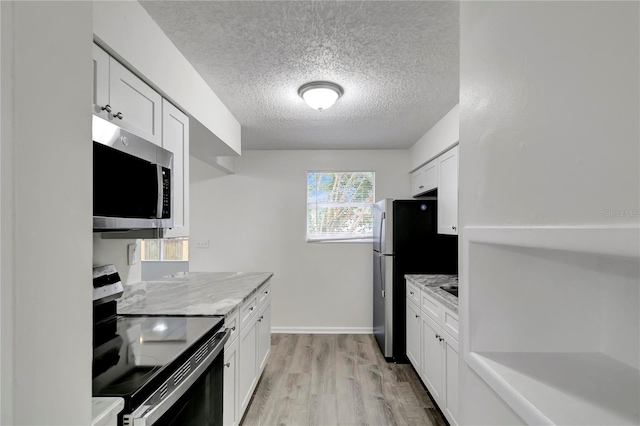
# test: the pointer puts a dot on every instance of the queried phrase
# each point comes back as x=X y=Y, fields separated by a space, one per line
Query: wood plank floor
x=323 y=379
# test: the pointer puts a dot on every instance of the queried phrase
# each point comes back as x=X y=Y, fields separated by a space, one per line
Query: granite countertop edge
x=432 y=283
x=192 y=294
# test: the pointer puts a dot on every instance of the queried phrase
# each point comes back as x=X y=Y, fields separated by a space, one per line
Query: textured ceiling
x=396 y=60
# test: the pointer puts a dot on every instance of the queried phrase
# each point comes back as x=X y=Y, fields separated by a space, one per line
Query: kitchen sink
x=451 y=289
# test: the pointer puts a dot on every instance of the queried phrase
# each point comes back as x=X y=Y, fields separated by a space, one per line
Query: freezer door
x=382 y=226
x=383 y=302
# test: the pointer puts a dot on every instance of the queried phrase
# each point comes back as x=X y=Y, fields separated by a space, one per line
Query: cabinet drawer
x=231 y=323
x=413 y=293
x=248 y=310
x=450 y=322
x=263 y=293
x=431 y=307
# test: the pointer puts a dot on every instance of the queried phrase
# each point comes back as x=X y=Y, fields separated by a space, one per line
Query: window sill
x=357 y=241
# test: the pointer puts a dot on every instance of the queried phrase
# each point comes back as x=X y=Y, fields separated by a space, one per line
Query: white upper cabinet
x=137 y=106
x=424 y=179
x=100 y=82
x=123 y=98
x=448 y=192
x=175 y=138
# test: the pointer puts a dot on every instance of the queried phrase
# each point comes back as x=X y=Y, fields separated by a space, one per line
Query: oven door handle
x=150 y=412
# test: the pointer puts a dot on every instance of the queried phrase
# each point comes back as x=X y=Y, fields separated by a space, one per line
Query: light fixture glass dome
x=320 y=95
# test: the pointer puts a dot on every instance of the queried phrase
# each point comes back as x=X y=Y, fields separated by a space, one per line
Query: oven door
x=201 y=404
x=196 y=399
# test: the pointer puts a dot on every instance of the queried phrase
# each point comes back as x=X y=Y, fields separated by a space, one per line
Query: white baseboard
x=322 y=330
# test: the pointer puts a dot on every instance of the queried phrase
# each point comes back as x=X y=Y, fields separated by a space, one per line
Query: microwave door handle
x=160 y=191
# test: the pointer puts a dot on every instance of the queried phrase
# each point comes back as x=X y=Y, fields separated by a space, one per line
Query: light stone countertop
x=432 y=283
x=192 y=293
x=104 y=411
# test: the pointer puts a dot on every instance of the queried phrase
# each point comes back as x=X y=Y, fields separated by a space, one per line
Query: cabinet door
x=247 y=363
x=100 y=82
x=264 y=335
x=175 y=138
x=451 y=390
x=417 y=182
x=140 y=106
x=413 y=334
x=430 y=175
x=230 y=392
x=448 y=192
x=431 y=373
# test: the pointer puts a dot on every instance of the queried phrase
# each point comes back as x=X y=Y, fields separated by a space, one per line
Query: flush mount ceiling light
x=320 y=95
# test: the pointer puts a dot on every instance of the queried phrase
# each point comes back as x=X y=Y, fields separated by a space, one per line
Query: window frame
x=346 y=239
x=162 y=242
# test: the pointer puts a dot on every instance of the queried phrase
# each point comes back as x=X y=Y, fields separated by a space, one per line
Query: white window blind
x=340 y=205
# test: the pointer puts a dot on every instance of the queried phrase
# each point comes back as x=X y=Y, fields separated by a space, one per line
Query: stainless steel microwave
x=132 y=181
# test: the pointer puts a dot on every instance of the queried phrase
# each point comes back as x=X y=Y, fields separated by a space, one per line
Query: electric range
x=168 y=369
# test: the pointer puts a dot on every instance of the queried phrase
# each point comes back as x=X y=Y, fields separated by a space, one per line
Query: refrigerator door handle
x=382 y=250
x=382 y=277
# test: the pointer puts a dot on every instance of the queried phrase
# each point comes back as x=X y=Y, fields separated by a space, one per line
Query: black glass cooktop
x=130 y=353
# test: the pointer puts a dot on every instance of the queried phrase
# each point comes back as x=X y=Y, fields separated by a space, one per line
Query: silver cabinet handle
x=267 y=292
x=107 y=108
x=261 y=318
x=251 y=308
x=421 y=186
x=118 y=115
x=440 y=338
x=417 y=316
x=233 y=328
x=454 y=228
x=228 y=365
x=437 y=336
x=410 y=292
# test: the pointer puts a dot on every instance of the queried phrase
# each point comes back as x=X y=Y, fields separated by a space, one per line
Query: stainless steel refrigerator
x=405 y=241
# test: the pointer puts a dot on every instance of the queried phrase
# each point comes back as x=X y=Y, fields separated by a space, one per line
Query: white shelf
x=563 y=388
x=551 y=320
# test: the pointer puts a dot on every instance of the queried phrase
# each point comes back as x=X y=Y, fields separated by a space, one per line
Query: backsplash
x=115 y=252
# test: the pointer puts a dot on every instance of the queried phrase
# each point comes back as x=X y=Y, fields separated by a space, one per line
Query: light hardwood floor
x=321 y=379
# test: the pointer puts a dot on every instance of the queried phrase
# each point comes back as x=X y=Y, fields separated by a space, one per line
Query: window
x=173 y=249
x=340 y=205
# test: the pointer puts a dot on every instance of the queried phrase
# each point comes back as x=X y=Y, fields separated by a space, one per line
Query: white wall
x=115 y=252
x=46 y=213
x=548 y=129
x=442 y=136
x=255 y=220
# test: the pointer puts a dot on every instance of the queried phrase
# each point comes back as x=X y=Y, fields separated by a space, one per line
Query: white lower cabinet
x=450 y=360
x=248 y=366
x=431 y=373
x=253 y=345
x=230 y=404
x=264 y=335
x=434 y=351
x=413 y=335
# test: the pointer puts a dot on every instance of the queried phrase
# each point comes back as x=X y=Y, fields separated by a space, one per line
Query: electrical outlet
x=132 y=254
x=202 y=244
